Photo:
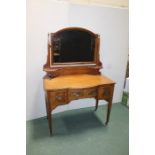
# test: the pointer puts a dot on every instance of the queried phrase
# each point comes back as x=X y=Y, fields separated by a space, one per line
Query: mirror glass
x=73 y=46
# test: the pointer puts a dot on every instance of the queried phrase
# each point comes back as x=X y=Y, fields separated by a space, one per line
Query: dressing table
x=73 y=70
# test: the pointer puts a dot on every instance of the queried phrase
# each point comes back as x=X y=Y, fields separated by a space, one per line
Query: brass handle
x=59 y=98
x=76 y=94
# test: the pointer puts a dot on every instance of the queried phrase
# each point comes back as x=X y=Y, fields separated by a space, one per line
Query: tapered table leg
x=108 y=112
x=50 y=121
x=46 y=106
x=49 y=116
x=96 y=106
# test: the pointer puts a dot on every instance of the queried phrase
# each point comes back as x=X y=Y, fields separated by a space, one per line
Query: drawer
x=105 y=92
x=90 y=92
x=58 y=97
x=76 y=94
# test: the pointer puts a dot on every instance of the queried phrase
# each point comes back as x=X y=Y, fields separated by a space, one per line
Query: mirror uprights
x=72 y=50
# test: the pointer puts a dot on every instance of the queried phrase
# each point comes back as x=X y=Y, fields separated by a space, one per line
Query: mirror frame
x=52 y=35
x=50 y=66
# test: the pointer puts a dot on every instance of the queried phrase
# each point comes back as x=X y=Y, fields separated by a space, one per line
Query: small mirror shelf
x=72 y=47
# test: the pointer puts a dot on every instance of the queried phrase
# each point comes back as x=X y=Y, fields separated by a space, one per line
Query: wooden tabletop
x=76 y=81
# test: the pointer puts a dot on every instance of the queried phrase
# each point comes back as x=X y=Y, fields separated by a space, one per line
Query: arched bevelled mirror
x=73 y=46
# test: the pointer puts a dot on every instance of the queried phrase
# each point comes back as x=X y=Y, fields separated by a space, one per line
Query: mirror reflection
x=73 y=46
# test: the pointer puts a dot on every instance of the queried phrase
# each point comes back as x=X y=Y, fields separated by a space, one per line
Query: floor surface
x=81 y=132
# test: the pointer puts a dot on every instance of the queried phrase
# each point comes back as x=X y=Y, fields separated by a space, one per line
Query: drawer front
x=76 y=94
x=90 y=92
x=82 y=93
x=105 y=92
x=58 y=97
